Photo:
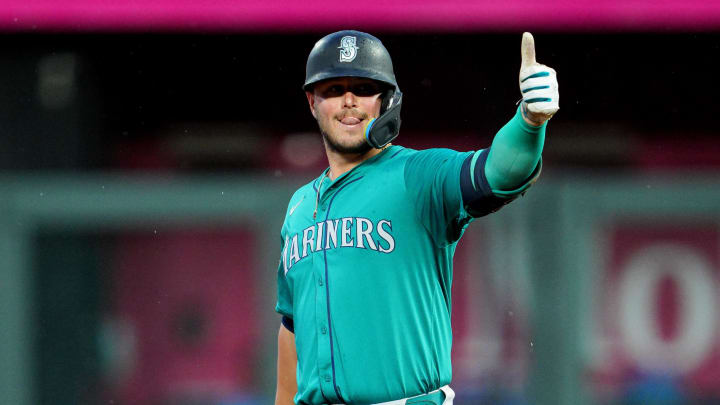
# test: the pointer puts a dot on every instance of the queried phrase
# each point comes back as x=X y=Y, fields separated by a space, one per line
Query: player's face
x=342 y=107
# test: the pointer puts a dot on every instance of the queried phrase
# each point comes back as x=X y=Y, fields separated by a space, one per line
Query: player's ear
x=311 y=102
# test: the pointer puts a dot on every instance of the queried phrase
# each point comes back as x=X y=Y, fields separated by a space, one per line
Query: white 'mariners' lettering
x=332 y=226
x=364 y=227
x=284 y=255
x=319 y=236
x=386 y=236
x=346 y=230
x=308 y=240
x=361 y=237
x=294 y=256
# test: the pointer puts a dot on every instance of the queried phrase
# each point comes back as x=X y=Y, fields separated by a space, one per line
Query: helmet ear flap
x=383 y=130
x=386 y=97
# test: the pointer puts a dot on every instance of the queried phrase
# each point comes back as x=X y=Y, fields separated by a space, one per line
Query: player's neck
x=341 y=163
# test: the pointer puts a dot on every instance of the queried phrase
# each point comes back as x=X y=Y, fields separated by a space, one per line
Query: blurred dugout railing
x=590 y=289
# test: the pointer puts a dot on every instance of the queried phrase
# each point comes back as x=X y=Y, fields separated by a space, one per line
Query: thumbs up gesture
x=538 y=85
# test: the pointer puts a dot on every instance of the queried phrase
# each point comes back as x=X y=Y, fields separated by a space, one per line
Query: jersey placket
x=328 y=366
x=324 y=359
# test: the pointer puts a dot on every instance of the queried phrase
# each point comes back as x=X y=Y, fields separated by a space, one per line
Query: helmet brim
x=338 y=73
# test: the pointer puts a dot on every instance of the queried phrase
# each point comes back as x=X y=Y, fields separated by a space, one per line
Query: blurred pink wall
x=434 y=15
x=189 y=296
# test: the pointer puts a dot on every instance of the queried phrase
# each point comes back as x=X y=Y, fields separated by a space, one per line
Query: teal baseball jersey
x=365 y=275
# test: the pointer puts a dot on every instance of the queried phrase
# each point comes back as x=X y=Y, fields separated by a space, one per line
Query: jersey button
x=320 y=283
x=327 y=378
x=323 y=330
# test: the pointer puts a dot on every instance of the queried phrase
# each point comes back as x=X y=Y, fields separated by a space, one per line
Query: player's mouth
x=351 y=122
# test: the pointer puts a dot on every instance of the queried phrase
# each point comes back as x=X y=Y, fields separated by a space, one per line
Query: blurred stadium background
x=148 y=151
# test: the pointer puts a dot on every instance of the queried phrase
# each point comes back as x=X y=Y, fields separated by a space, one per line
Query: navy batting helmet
x=357 y=54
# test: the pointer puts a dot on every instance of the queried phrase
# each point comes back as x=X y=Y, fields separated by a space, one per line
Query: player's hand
x=538 y=85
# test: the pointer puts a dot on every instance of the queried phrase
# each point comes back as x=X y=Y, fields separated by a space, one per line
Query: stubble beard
x=359 y=148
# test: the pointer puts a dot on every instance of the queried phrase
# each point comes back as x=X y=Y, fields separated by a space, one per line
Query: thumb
x=527 y=50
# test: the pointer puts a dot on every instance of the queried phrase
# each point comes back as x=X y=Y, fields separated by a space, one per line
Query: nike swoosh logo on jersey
x=295 y=206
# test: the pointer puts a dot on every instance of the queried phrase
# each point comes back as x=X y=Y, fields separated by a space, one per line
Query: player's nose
x=349 y=99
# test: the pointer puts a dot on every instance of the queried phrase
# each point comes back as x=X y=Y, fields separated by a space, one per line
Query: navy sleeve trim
x=288 y=324
x=478 y=197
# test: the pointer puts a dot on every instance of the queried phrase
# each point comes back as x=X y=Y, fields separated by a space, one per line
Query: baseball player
x=367 y=247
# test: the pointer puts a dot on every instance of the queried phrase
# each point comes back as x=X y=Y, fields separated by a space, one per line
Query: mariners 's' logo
x=348 y=49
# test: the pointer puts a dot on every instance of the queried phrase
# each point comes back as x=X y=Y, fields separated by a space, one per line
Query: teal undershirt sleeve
x=514 y=154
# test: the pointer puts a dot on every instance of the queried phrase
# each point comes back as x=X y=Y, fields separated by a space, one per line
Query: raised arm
x=516 y=149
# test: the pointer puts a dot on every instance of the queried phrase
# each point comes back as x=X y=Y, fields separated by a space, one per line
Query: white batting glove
x=538 y=85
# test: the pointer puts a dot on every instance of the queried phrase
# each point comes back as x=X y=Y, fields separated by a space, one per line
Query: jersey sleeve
x=432 y=177
x=284 y=303
x=478 y=196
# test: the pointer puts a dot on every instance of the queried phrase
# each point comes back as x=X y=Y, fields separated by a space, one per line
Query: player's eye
x=334 y=90
x=366 y=89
